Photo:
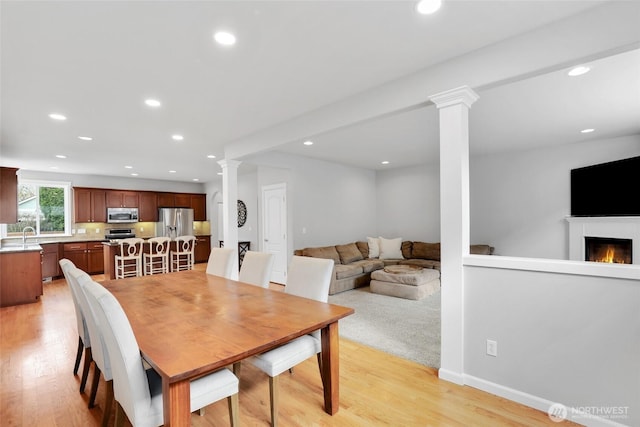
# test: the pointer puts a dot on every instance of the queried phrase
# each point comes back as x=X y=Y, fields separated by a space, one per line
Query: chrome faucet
x=24 y=234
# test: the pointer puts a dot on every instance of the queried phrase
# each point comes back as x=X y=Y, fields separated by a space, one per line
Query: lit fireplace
x=609 y=250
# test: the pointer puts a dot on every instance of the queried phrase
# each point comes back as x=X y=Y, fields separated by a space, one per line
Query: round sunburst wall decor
x=242 y=213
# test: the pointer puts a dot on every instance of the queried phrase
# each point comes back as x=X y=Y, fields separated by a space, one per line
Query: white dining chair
x=128 y=262
x=256 y=268
x=138 y=393
x=182 y=257
x=221 y=262
x=102 y=365
x=309 y=278
x=84 y=340
x=157 y=260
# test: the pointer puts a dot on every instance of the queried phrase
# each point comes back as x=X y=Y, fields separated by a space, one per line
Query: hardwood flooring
x=37 y=386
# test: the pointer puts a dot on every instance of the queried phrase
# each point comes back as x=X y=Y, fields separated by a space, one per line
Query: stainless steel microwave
x=122 y=215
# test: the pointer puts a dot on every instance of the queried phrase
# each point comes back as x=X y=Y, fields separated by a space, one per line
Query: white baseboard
x=452 y=377
x=527 y=399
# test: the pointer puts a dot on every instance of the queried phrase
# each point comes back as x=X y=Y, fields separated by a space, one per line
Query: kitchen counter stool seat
x=157 y=260
x=129 y=260
x=182 y=257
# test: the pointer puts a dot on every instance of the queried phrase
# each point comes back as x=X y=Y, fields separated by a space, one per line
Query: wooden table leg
x=331 y=368
x=176 y=399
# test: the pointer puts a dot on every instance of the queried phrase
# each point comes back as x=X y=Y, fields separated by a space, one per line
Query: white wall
x=519 y=200
x=119 y=183
x=564 y=338
x=409 y=203
x=330 y=203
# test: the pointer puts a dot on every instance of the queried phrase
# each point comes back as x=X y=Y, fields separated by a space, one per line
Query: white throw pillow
x=374 y=247
x=390 y=248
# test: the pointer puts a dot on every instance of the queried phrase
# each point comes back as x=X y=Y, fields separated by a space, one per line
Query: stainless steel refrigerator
x=174 y=222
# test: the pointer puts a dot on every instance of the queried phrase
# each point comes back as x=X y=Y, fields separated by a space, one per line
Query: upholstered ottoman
x=405 y=281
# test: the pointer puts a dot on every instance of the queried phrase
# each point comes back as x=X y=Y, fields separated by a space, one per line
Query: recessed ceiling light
x=128 y=167
x=56 y=116
x=61 y=156
x=219 y=173
x=152 y=102
x=196 y=179
x=211 y=156
x=85 y=138
x=427 y=7
x=134 y=174
x=53 y=167
x=587 y=130
x=177 y=137
x=308 y=143
x=385 y=162
x=578 y=71
x=172 y=171
x=224 y=38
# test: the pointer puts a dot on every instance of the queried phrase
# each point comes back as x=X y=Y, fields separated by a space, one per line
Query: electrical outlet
x=141 y=229
x=492 y=348
x=97 y=230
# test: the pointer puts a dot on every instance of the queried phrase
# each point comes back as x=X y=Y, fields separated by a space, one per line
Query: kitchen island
x=112 y=248
x=20 y=274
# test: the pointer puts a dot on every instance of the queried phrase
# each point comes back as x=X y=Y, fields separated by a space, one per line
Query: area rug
x=406 y=328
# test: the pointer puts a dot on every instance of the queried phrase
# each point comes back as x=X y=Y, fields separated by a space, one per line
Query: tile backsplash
x=97 y=230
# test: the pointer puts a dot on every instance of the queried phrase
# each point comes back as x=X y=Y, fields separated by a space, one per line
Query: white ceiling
x=96 y=62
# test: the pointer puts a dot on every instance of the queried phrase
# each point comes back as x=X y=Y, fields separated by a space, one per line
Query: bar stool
x=182 y=256
x=157 y=260
x=129 y=261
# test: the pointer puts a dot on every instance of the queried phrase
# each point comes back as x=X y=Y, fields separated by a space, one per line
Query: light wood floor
x=37 y=387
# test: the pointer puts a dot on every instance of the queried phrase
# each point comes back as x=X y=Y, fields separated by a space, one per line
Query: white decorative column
x=230 y=207
x=454 y=223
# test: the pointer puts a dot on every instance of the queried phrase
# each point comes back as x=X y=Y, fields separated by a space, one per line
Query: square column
x=453 y=107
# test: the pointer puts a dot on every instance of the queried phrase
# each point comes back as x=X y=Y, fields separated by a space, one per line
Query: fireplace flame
x=609 y=256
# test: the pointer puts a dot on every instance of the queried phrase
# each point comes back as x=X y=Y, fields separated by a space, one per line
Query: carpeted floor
x=406 y=328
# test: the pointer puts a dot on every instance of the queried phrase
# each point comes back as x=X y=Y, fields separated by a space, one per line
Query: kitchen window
x=43 y=205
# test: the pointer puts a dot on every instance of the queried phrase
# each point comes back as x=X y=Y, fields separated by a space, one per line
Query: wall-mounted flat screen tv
x=607 y=189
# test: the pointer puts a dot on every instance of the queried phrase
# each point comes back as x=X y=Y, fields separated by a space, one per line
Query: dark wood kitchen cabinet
x=50 y=258
x=76 y=253
x=182 y=200
x=122 y=199
x=87 y=256
x=199 y=206
x=21 y=278
x=8 y=195
x=89 y=205
x=202 y=249
x=166 y=200
x=95 y=258
x=148 y=209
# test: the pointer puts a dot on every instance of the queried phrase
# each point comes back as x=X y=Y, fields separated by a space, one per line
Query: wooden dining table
x=189 y=324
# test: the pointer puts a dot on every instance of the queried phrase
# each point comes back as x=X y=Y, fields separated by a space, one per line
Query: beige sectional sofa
x=353 y=266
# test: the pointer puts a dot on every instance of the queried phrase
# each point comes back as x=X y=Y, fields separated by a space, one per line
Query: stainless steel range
x=119 y=233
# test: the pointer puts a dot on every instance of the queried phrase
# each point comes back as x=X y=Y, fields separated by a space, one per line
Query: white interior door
x=274 y=226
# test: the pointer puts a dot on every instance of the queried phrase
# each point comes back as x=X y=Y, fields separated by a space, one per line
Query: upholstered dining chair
x=129 y=260
x=157 y=260
x=309 y=278
x=221 y=262
x=182 y=257
x=102 y=365
x=84 y=340
x=139 y=392
x=256 y=268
